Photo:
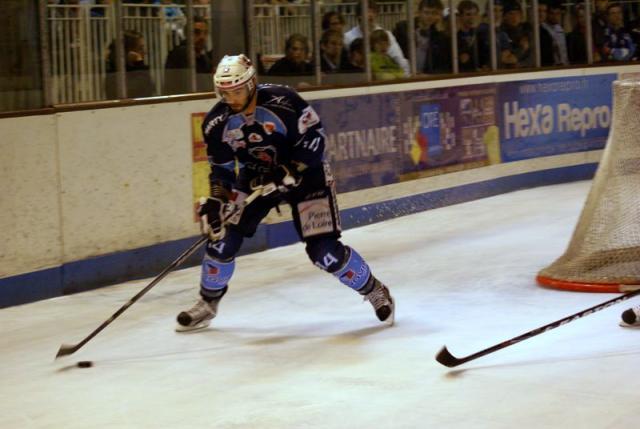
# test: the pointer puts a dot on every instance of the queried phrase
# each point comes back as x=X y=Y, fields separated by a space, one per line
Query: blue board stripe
x=148 y=261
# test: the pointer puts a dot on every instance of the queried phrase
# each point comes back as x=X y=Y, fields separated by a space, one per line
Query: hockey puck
x=84 y=364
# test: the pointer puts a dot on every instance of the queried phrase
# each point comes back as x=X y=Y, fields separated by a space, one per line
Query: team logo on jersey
x=235 y=138
x=266 y=154
x=237 y=144
x=255 y=138
x=271 y=123
x=235 y=134
x=269 y=127
x=307 y=120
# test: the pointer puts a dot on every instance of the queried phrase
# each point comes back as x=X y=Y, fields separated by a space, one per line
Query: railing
x=274 y=23
x=78 y=42
x=80 y=37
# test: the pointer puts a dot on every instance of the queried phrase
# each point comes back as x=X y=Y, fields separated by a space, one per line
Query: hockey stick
x=70 y=349
x=447 y=359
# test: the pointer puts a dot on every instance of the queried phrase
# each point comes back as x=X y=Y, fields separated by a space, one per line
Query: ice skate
x=382 y=302
x=631 y=318
x=197 y=317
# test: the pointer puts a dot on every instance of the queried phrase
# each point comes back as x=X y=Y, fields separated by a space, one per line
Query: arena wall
x=97 y=197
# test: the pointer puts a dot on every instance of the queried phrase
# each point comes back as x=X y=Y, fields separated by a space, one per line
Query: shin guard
x=215 y=276
x=354 y=272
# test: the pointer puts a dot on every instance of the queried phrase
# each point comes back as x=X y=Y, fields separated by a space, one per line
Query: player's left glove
x=281 y=179
x=212 y=213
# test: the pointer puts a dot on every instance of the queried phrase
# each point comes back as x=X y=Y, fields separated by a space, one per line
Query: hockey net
x=604 y=252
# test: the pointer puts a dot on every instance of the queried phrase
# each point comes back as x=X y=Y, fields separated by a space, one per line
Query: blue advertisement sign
x=362 y=139
x=452 y=128
x=554 y=116
x=430 y=130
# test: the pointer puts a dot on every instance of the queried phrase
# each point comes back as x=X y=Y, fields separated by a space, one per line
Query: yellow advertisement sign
x=200 y=169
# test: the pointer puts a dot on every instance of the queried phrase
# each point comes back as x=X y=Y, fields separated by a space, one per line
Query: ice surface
x=293 y=348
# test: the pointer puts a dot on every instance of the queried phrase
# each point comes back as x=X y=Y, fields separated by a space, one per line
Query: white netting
x=605 y=246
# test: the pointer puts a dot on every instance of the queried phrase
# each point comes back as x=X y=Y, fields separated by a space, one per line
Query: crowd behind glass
x=166 y=45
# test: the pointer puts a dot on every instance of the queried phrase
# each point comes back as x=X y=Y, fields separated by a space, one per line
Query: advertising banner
x=379 y=139
x=448 y=128
x=200 y=170
x=363 y=139
x=554 y=116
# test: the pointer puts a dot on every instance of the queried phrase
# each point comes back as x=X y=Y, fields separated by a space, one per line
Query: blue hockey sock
x=355 y=272
x=215 y=276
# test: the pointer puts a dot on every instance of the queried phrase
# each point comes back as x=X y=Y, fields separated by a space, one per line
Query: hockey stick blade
x=447 y=359
x=66 y=350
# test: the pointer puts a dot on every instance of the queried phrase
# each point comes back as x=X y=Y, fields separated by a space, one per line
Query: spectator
x=383 y=67
x=546 y=40
x=394 y=49
x=618 y=44
x=634 y=29
x=598 y=26
x=433 y=46
x=177 y=76
x=333 y=20
x=357 y=60
x=174 y=19
x=333 y=55
x=138 y=79
x=469 y=56
x=504 y=56
x=519 y=34
x=295 y=60
x=576 y=39
x=552 y=25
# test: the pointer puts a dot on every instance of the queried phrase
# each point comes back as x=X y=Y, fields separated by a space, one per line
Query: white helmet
x=232 y=72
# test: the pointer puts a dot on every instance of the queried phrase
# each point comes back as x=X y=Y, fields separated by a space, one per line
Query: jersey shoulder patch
x=308 y=119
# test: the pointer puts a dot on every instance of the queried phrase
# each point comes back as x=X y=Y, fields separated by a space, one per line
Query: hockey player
x=259 y=135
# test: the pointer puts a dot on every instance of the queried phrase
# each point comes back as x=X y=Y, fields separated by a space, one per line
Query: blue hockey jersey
x=283 y=129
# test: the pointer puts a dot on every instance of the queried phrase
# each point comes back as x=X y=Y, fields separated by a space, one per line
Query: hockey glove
x=281 y=179
x=212 y=213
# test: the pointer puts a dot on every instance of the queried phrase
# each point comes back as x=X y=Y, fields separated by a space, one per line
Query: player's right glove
x=281 y=179
x=212 y=213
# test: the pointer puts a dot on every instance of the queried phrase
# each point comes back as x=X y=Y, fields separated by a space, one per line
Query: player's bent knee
x=226 y=248
x=326 y=253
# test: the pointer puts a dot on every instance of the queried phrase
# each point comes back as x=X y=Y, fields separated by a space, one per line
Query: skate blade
x=195 y=328
x=626 y=325
x=392 y=317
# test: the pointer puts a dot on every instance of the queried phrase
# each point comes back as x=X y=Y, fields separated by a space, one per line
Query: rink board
x=148 y=261
x=92 y=204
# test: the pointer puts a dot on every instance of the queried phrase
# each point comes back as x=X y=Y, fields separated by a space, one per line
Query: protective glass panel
x=20 y=66
x=282 y=39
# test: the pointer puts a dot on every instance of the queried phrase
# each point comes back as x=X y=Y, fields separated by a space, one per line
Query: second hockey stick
x=70 y=349
x=447 y=359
